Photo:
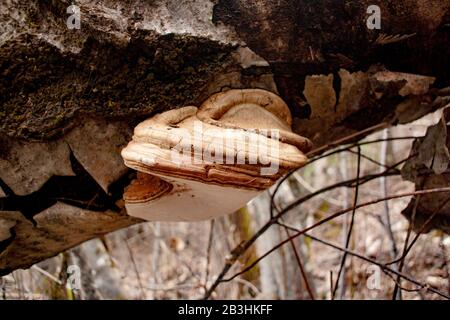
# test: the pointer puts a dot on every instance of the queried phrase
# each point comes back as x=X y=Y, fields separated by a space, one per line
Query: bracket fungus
x=199 y=163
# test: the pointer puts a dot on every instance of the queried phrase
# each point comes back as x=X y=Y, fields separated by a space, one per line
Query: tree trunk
x=69 y=98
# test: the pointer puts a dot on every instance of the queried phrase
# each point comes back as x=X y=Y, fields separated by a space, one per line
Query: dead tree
x=70 y=94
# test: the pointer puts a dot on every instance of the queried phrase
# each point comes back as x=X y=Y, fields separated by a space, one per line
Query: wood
x=63 y=89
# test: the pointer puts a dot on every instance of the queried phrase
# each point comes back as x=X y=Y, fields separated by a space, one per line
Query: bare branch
x=352 y=222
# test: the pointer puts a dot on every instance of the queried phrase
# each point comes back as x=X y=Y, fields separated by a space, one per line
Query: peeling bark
x=80 y=92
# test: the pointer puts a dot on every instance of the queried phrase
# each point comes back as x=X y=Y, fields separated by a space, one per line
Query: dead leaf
x=430 y=152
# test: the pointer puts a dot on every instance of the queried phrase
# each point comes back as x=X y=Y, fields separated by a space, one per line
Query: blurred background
x=183 y=260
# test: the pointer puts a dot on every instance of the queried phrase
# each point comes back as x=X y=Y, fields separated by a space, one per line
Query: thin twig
x=384 y=189
x=397 y=293
x=382 y=266
x=143 y=295
x=329 y=218
x=420 y=232
x=156 y=253
x=47 y=274
x=352 y=222
x=348 y=138
x=343 y=159
x=242 y=247
x=386 y=219
x=208 y=253
x=311 y=189
x=300 y=266
x=349 y=183
x=368 y=158
x=359 y=143
x=287 y=176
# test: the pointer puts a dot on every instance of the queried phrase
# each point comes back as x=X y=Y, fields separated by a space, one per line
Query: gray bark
x=69 y=98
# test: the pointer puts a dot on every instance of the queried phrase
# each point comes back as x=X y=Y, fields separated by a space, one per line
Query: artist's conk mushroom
x=200 y=163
